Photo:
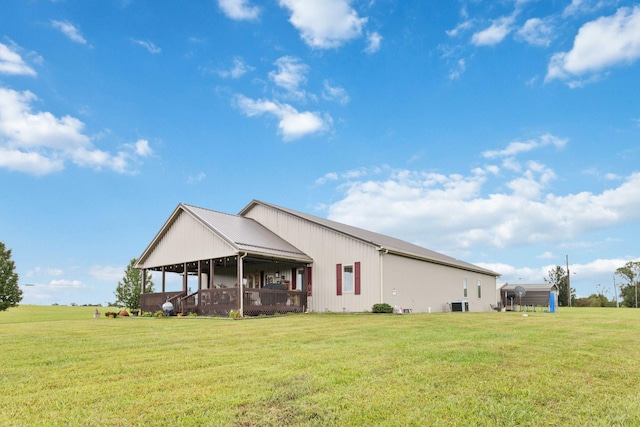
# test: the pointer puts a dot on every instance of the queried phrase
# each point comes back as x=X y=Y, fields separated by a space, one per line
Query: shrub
x=382 y=308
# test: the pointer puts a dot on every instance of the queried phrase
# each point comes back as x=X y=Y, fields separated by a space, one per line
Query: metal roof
x=528 y=286
x=382 y=241
x=246 y=234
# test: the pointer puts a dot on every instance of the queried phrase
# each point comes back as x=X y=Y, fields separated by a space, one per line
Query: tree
x=558 y=277
x=629 y=291
x=128 y=291
x=10 y=292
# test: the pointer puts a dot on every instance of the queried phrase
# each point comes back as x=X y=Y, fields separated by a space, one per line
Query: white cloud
x=329 y=176
x=292 y=123
x=517 y=147
x=142 y=148
x=30 y=162
x=69 y=30
x=536 y=31
x=455 y=213
x=48 y=271
x=67 y=284
x=335 y=93
x=605 y=42
x=290 y=75
x=239 y=69
x=546 y=255
x=493 y=35
x=239 y=10
x=152 y=48
x=450 y=212
x=374 y=39
x=107 y=273
x=324 y=24
x=463 y=26
x=583 y=6
x=196 y=178
x=457 y=70
x=12 y=63
x=40 y=143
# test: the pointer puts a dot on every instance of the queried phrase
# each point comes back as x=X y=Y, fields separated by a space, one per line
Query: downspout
x=240 y=283
x=383 y=251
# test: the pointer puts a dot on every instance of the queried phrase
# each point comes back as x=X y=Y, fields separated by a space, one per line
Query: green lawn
x=578 y=367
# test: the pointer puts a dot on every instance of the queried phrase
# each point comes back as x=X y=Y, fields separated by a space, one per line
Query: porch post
x=211 y=267
x=163 y=277
x=240 y=284
x=199 y=275
x=144 y=280
x=185 y=278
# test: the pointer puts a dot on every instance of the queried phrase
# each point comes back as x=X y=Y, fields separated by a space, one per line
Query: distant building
x=535 y=295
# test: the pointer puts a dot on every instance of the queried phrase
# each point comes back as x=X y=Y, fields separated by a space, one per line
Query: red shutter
x=338 y=279
x=309 y=275
x=294 y=277
x=357 y=278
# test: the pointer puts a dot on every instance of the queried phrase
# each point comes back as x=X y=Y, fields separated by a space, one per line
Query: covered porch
x=214 y=263
x=251 y=285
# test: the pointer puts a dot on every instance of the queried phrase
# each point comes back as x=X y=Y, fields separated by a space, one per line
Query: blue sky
x=504 y=133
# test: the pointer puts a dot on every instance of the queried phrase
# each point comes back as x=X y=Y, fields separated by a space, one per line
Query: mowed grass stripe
x=576 y=367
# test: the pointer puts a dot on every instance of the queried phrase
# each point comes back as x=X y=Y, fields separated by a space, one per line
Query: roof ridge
x=384 y=241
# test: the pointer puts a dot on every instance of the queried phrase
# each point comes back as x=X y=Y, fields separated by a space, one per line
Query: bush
x=382 y=308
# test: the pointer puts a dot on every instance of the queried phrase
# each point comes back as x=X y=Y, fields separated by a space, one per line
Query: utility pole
x=615 y=291
x=568 y=283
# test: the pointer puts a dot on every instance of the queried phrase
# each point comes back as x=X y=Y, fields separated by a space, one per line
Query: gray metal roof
x=528 y=286
x=246 y=234
x=384 y=242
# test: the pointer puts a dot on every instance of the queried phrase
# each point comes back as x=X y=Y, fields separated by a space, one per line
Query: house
x=269 y=258
x=534 y=295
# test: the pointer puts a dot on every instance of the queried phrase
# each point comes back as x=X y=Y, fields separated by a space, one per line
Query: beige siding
x=186 y=239
x=420 y=285
x=327 y=248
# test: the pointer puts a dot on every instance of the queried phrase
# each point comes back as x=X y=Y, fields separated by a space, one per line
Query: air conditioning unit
x=459 y=305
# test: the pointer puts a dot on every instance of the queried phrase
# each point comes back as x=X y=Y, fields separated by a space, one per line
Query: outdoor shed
x=536 y=295
x=272 y=259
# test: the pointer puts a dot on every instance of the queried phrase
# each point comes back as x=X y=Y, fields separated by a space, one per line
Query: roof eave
x=184 y=208
x=463 y=266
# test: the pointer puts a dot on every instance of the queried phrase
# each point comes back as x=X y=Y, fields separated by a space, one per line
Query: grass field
x=578 y=367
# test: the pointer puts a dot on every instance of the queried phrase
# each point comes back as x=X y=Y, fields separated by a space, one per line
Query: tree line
x=626 y=290
x=128 y=290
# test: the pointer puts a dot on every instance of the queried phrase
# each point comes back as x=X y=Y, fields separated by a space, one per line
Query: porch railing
x=220 y=301
x=153 y=302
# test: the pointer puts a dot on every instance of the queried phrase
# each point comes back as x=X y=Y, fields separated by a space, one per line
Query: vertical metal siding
x=327 y=248
x=420 y=285
x=187 y=240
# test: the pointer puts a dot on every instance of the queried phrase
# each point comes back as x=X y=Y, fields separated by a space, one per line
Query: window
x=479 y=289
x=464 y=287
x=347 y=278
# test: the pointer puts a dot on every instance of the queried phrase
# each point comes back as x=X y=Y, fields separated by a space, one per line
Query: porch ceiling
x=225 y=262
